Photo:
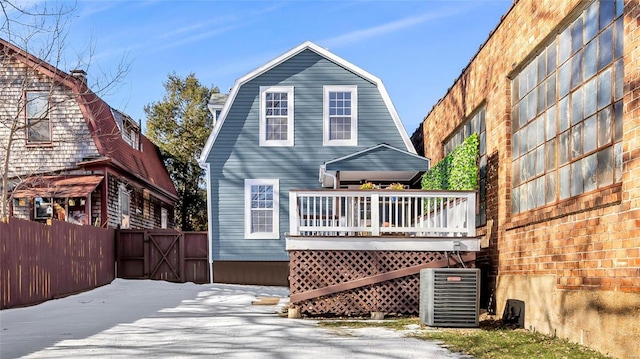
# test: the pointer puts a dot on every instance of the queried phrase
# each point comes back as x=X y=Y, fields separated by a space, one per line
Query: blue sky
x=417 y=48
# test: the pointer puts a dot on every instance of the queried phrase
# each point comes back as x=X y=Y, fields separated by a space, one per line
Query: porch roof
x=58 y=186
x=380 y=162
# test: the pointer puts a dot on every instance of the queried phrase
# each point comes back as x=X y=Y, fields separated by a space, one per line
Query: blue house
x=306 y=120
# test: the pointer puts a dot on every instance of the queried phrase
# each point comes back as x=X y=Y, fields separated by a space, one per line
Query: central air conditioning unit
x=450 y=297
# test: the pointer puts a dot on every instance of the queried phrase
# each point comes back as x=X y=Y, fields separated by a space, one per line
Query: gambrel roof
x=307 y=45
x=145 y=164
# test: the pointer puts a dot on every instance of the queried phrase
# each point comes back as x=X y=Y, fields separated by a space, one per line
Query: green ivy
x=458 y=170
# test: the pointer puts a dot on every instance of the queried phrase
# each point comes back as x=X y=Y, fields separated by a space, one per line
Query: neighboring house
x=557 y=84
x=78 y=160
x=305 y=120
x=215 y=105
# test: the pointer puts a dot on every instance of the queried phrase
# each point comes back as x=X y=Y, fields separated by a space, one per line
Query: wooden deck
x=409 y=220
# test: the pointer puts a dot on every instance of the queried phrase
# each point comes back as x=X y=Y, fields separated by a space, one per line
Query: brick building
x=555 y=95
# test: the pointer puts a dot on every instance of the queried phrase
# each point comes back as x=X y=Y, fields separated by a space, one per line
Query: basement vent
x=449 y=297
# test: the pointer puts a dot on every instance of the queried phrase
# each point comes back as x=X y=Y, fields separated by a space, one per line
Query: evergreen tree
x=179 y=125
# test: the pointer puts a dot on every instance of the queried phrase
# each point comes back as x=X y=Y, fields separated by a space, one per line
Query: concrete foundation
x=606 y=321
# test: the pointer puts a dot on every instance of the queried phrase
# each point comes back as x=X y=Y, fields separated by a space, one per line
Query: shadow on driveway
x=159 y=319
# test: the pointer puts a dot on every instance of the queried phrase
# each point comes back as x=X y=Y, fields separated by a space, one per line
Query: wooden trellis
x=361 y=282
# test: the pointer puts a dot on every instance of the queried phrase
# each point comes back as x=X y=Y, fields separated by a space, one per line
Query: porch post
x=375 y=214
x=471 y=214
x=293 y=214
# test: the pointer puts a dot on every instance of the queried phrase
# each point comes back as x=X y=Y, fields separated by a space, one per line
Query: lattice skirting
x=313 y=270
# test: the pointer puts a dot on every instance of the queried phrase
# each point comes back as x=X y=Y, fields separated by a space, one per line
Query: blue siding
x=236 y=154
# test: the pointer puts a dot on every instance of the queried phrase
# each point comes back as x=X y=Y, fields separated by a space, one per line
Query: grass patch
x=491 y=341
x=396 y=324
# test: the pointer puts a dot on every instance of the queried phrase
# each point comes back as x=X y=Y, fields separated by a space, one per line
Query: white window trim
x=123 y=190
x=276 y=208
x=263 y=118
x=354 y=115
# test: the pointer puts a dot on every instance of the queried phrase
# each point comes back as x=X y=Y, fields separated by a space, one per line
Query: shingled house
x=76 y=158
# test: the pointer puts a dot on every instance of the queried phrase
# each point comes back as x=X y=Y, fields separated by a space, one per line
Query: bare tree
x=32 y=86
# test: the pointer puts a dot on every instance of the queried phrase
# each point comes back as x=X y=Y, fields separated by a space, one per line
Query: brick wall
x=575 y=263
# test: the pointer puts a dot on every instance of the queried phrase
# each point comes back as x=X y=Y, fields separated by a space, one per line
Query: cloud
x=368 y=33
x=197 y=37
x=195 y=27
x=97 y=7
x=225 y=23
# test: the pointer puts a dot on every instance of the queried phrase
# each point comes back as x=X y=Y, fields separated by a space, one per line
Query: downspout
x=206 y=167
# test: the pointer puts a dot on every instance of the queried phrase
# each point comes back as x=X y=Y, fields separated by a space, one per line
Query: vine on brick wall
x=458 y=170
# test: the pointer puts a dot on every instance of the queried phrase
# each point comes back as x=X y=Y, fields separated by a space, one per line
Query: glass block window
x=340 y=115
x=261 y=209
x=567 y=112
x=38 y=122
x=276 y=116
x=475 y=124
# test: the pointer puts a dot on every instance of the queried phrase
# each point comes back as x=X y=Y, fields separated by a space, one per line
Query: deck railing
x=382 y=213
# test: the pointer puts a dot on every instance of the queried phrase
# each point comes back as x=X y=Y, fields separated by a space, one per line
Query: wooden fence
x=40 y=262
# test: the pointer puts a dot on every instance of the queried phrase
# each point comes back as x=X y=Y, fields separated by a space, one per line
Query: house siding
x=84 y=138
x=143 y=212
x=236 y=154
x=96 y=206
x=576 y=263
x=71 y=140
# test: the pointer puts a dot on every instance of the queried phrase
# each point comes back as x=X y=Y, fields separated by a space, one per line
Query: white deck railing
x=382 y=213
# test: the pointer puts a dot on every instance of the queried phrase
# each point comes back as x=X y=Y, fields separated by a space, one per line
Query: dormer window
x=129 y=129
x=130 y=135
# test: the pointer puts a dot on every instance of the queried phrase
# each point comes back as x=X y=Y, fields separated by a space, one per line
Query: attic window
x=129 y=129
x=130 y=135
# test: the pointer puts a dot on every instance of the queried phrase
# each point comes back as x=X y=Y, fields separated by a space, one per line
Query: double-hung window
x=340 y=116
x=261 y=209
x=38 y=122
x=276 y=116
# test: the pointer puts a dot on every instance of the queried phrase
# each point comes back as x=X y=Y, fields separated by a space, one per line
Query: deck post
x=375 y=214
x=294 y=218
x=471 y=214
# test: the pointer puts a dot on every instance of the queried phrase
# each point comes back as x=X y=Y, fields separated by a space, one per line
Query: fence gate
x=164 y=254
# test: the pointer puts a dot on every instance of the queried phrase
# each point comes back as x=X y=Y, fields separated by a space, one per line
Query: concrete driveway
x=130 y=318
